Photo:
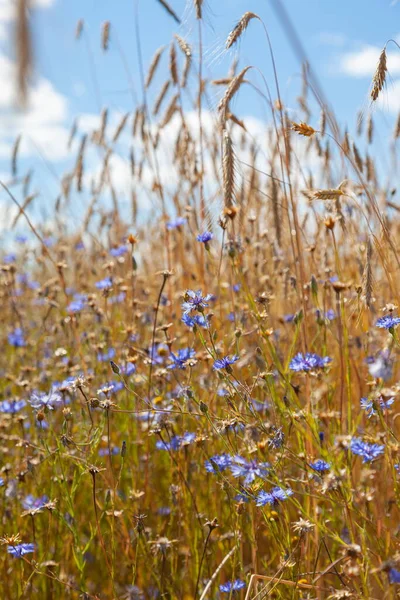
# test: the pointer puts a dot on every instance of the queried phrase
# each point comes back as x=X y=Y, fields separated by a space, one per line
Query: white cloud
x=362 y=63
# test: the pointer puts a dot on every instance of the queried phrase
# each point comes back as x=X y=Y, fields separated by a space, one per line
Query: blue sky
x=73 y=78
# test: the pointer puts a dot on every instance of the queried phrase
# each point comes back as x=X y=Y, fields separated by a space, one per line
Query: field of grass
x=204 y=403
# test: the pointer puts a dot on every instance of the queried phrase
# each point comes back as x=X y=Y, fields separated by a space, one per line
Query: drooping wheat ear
x=160 y=97
x=79 y=29
x=230 y=92
x=153 y=66
x=72 y=133
x=79 y=164
x=120 y=127
x=173 y=67
x=357 y=158
x=303 y=129
x=322 y=126
x=228 y=169
x=198 y=5
x=14 y=156
x=240 y=28
x=346 y=143
x=105 y=35
x=23 y=48
x=187 y=51
x=397 y=128
x=370 y=168
x=370 y=129
x=275 y=211
x=169 y=10
x=367 y=276
x=170 y=111
x=379 y=78
x=328 y=194
x=103 y=125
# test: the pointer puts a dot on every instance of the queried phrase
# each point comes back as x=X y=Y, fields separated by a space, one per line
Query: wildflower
x=277 y=494
x=195 y=301
x=236 y=287
x=308 y=362
x=329 y=315
x=381 y=365
x=16 y=338
x=180 y=361
x=394 y=575
x=225 y=362
x=197 y=320
x=1 y=481
x=248 y=469
x=12 y=407
x=119 y=251
x=205 y=237
x=176 y=442
x=278 y=438
x=320 y=466
x=40 y=400
x=104 y=284
x=77 y=304
x=106 y=356
x=232 y=586
x=388 y=322
x=369 y=452
x=179 y=221
x=19 y=550
x=288 y=318
x=32 y=503
x=10 y=258
x=371 y=406
x=218 y=463
x=302 y=526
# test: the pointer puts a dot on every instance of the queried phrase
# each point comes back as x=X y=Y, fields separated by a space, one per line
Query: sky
x=76 y=78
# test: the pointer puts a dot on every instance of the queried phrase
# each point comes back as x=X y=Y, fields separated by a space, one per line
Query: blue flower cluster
x=308 y=362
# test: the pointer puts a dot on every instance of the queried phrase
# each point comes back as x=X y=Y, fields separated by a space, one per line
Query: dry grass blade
x=303 y=129
x=25 y=205
x=169 y=10
x=367 y=277
x=23 y=48
x=379 y=78
x=240 y=28
x=105 y=35
x=120 y=127
x=170 y=111
x=154 y=65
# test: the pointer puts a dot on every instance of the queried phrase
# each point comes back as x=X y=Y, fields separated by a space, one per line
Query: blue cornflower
x=77 y=304
x=158 y=353
x=1 y=481
x=19 y=550
x=104 y=284
x=205 y=237
x=79 y=245
x=330 y=315
x=195 y=301
x=394 y=575
x=128 y=369
x=278 y=439
x=370 y=406
x=225 y=362
x=248 y=469
x=164 y=511
x=16 y=338
x=381 y=365
x=106 y=356
x=197 y=320
x=369 y=452
x=308 y=362
x=119 y=251
x=218 y=463
x=176 y=442
x=289 y=318
x=320 y=466
x=21 y=239
x=277 y=494
x=106 y=451
x=40 y=400
x=232 y=586
x=179 y=221
x=236 y=287
x=10 y=258
x=388 y=322
x=30 y=502
x=12 y=407
x=118 y=298
x=179 y=361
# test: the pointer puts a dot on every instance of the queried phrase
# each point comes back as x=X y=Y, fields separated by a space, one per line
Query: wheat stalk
x=161 y=96
x=169 y=10
x=229 y=93
x=228 y=169
x=23 y=48
x=173 y=67
x=105 y=35
x=153 y=66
